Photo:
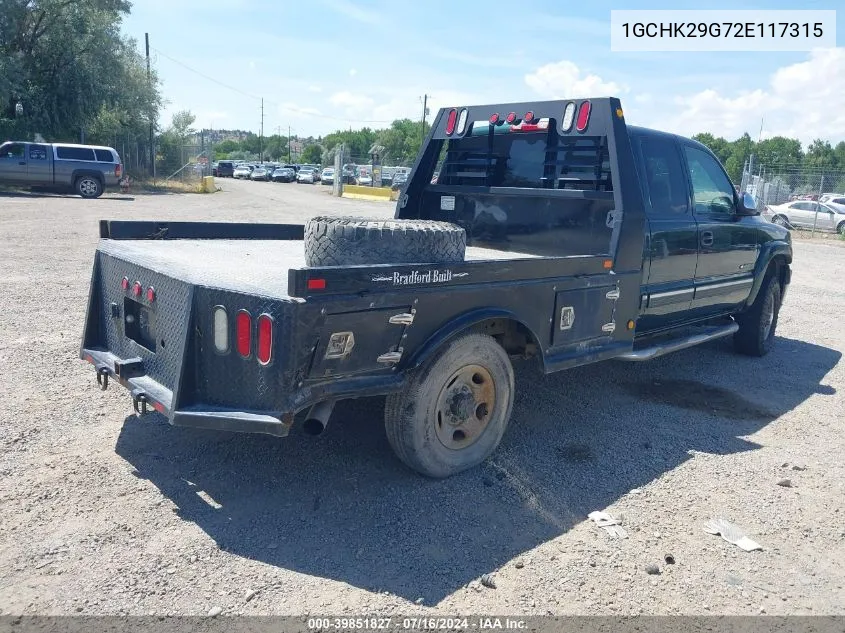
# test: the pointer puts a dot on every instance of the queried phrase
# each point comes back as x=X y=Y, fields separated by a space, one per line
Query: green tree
x=780 y=151
x=402 y=141
x=312 y=154
x=224 y=148
x=72 y=71
x=820 y=155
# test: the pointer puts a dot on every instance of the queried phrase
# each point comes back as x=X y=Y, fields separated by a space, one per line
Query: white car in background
x=307 y=175
x=242 y=171
x=807 y=214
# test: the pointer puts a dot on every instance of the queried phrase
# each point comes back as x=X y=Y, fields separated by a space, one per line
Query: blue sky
x=321 y=65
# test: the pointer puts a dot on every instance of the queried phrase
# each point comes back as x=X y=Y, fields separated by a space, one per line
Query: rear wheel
x=780 y=220
x=88 y=187
x=841 y=228
x=454 y=410
x=757 y=325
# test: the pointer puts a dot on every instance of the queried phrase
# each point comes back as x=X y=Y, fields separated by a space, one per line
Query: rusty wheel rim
x=464 y=407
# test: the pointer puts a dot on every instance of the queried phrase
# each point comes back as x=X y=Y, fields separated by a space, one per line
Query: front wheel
x=88 y=187
x=780 y=221
x=454 y=410
x=757 y=325
x=841 y=228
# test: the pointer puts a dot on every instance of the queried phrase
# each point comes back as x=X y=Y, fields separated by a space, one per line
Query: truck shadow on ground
x=343 y=507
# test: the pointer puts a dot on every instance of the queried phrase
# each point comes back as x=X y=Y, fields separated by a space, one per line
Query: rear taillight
x=243 y=333
x=137 y=289
x=124 y=283
x=264 y=349
x=118 y=170
x=583 y=116
x=511 y=118
x=568 y=117
x=151 y=294
x=451 y=120
x=221 y=329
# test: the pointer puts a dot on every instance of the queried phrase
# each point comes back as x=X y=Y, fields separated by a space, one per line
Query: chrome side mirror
x=747 y=205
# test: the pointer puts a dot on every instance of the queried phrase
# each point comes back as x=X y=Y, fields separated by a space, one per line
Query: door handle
x=707 y=238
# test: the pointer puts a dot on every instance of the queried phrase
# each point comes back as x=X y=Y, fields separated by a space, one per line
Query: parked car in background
x=348 y=176
x=808 y=214
x=307 y=175
x=261 y=173
x=835 y=198
x=283 y=174
x=242 y=172
x=399 y=179
x=364 y=176
x=87 y=170
x=327 y=176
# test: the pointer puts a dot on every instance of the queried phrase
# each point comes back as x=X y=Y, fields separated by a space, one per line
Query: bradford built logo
x=417 y=277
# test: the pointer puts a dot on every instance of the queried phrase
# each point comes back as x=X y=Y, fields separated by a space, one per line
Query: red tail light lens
x=451 y=120
x=316 y=284
x=529 y=116
x=583 y=116
x=124 y=283
x=137 y=289
x=243 y=333
x=494 y=119
x=118 y=170
x=264 y=350
x=511 y=117
x=151 y=294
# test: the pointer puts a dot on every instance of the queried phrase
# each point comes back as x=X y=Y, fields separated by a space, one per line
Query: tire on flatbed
x=349 y=241
x=757 y=325
x=454 y=409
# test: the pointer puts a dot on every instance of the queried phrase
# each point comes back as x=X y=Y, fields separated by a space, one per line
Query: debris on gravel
x=652 y=570
x=785 y=483
x=213 y=612
x=487 y=581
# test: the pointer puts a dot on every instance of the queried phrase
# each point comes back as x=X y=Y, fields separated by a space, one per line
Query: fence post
x=818 y=205
x=338 y=172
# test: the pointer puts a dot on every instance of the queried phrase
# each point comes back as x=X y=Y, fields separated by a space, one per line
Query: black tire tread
x=747 y=339
x=348 y=241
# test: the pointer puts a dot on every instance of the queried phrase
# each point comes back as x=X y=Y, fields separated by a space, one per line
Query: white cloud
x=352 y=72
x=563 y=79
x=351 y=101
x=315 y=89
x=801 y=101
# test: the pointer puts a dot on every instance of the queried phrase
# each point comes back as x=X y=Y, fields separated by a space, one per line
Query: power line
x=252 y=96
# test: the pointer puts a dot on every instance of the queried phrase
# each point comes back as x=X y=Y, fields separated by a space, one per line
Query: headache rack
x=489 y=159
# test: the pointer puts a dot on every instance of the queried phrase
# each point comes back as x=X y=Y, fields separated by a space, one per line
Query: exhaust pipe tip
x=318 y=417
x=313 y=426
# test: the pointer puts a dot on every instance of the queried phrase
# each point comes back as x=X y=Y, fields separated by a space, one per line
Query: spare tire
x=346 y=241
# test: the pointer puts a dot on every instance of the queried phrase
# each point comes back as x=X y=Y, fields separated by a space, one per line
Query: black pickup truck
x=552 y=229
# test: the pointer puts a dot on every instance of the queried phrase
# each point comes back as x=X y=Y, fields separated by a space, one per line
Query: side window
x=13 y=150
x=75 y=153
x=104 y=155
x=712 y=191
x=37 y=152
x=664 y=177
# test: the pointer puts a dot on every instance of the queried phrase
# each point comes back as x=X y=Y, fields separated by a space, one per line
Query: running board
x=712 y=333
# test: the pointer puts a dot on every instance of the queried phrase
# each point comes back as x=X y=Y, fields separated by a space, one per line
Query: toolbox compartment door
x=353 y=342
x=584 y=314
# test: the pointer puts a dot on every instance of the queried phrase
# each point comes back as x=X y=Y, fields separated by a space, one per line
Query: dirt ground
x=105 y=513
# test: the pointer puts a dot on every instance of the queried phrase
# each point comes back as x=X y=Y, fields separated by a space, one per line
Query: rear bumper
x=147 y=391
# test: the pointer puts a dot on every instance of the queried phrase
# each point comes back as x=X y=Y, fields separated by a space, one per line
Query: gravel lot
x=103 y=512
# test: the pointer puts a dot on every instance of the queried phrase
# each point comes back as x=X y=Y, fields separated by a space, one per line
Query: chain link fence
x=803 y=198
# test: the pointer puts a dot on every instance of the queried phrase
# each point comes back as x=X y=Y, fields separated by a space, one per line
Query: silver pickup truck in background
x=85 y=169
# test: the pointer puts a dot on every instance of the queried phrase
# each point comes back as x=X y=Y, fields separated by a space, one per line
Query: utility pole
x=261 y=135
x=152 y=123
x=425 y=112
x=290 y=157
